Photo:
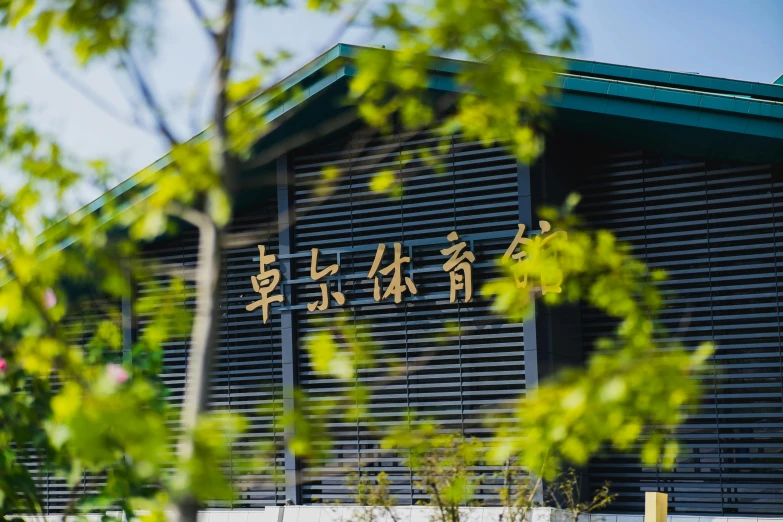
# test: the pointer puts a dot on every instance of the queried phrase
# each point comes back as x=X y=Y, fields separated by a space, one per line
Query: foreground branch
x=202 y=347
x=210 y=266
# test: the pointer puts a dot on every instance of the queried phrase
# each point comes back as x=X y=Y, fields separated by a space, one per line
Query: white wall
x=405 y=514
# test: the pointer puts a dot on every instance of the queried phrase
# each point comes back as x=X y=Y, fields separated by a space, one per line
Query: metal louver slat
x=250 y=363
x=246 y=376
x=79 y=327
x=461 y=362
x=714 y=229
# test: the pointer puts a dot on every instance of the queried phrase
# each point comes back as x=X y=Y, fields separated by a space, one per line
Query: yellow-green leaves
x=202 y=476
x=497 y=95
x=42 y=27
x=384 y=181
x=150 y=225
x=19 y=10
x=636 y=383
x=328 y=358
x=38 y=356
x=10 y=297
x=305 y=423
x=219 y=205
x=190 y=177
x=249 y=102
x=92 y=28
x=443 y=463
x=99 y=422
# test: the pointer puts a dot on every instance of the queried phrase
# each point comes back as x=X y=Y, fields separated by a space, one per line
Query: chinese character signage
x=390 y=280
x=265 y=283
x=396 y=287
x=317 y=275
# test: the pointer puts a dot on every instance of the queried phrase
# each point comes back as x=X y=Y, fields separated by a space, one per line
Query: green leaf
x=20 y=12
x=42 y=26
x=153 y=224
x=219 y=205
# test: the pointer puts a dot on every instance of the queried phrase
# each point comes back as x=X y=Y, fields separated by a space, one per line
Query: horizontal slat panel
x=715 y=230
x=247 y=371
x=461 y=362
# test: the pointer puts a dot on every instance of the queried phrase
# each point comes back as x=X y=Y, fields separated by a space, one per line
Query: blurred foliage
x=564 y=493
x=92 y=28
x=73 y=397
x=502 y=85
x=69 y=396
x=521 y=492
x=446 y=465
x=373 y=496
x=614 y=399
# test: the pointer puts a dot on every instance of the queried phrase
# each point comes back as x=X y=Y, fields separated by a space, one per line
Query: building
x=686 y=167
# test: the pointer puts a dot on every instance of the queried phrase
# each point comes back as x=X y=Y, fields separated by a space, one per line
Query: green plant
x=373 y=497
x=565 y=493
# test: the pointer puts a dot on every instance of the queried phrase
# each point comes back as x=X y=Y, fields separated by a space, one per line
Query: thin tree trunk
x=210 y=266
x=202 y=349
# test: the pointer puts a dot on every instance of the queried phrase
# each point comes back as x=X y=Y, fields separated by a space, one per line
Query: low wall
x=423 y=514
x=404 y=514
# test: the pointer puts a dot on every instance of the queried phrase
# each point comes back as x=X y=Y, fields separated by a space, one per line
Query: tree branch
x=190 y=215
x=226 y=162
x=345 y=24
x=202 y=17
x=208 y=272
x=95 y=98
x=197 y=98
x=202 y=347
x=149 y=98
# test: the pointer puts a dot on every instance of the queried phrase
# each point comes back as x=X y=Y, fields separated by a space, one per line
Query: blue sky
x=740 y=39
x=727 y=38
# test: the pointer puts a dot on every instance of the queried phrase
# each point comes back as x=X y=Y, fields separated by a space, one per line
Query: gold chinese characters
x=265 y=283
x=315 y=275
x=460 y=261
x=396 y=287
x=550 y=281
x=526 y=252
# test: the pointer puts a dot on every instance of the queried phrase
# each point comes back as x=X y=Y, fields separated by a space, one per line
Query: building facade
x=686 y=168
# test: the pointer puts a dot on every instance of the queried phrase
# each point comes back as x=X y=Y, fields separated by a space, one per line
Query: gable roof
x=701 y=114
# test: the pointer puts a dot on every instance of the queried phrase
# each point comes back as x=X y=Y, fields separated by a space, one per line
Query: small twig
x=224 y=47
x=95 y=98
x=71 y=507
x=149 y=98
x=345 y=24
x=196 y=126
x=202 y=17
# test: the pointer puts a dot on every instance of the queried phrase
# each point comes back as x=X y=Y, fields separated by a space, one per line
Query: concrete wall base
x=404 y=514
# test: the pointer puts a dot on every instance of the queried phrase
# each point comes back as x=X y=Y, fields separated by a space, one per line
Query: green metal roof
x=704 y=105
x=708 y=114
x=589 y=81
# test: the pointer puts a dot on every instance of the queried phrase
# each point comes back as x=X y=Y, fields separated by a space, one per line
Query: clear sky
x=740 y=39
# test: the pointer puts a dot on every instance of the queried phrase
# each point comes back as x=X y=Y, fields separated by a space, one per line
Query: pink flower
x=117 y=373
x=3 y=364
x=49 y=298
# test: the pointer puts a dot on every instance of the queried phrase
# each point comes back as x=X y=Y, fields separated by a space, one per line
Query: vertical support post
x=127 y=318
x=529 y=325
x=285 y=224
x=525 y=194
x=656 y=506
